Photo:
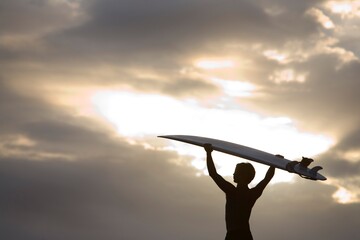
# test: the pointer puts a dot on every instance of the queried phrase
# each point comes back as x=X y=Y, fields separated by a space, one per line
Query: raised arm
x=219 y=180
x=269 y=175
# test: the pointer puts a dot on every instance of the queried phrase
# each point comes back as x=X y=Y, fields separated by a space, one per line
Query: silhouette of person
x=240 y=199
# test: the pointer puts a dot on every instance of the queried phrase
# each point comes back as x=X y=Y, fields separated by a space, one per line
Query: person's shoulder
x=256 y=191
x=230 y=189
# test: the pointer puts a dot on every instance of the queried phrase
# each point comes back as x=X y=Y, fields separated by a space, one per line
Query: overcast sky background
x=87 y=85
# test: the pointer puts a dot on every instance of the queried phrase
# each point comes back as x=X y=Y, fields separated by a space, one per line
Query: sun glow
x=287 y=75
x=324 y=20
x=234 y=88
x=214 y=64
x=138 y=116
x=275 y=55
x=344 y=196
x=341 y=7
x=348 y=9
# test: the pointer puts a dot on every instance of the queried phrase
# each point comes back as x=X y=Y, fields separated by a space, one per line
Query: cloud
x=302 y=217
x=65 y=175
x=111 y=189
x=29 y=17
x=21 y=108
x=121 y=40
x=342 y=164
x=107 y=189
x=323 y=102
x=171 y=30
x=24 y=24
x=128 y=33
x=33 y=126
x=340 y=167
x=327 y=95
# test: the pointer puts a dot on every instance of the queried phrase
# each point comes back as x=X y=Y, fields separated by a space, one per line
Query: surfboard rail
x=301 y=168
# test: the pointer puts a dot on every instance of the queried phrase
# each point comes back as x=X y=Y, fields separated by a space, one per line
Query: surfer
x=240 y=199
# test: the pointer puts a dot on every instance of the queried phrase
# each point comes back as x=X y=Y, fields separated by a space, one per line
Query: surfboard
x=298 y=167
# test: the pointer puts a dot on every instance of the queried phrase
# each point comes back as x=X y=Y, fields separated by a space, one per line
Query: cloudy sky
x=86 y=86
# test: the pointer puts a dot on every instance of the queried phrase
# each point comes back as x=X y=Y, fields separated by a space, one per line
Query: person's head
x=244 y=173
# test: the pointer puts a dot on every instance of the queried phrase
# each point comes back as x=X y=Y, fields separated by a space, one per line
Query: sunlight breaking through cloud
x=323 y=19
x=287 y=75
x=275 y=55
x=214 y=63
x=344 y=8
x=234 y=88
x=344 y=196
x=139 y=115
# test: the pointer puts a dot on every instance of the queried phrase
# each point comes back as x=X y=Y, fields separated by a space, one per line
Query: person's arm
x=269 y=175
x=219 y=180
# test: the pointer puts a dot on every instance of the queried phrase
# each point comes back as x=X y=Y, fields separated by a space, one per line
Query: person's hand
x=208 y=147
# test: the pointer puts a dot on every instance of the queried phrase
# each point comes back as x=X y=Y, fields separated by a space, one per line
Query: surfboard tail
x=295 y=166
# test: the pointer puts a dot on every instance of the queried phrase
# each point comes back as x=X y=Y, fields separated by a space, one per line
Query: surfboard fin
x=314 y=170
x=305 y=162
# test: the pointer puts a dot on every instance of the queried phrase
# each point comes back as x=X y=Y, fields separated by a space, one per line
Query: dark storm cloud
x=340 y=165
x=171 y=30
x=302 y=210
x=36 y=18
x=160 y=37
x=325 y=100
x=139 y=194
x=351 y=141
x=28 y=16
x=16 y=109
x=136 y=25
x=25 y=23
x=292 y=6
